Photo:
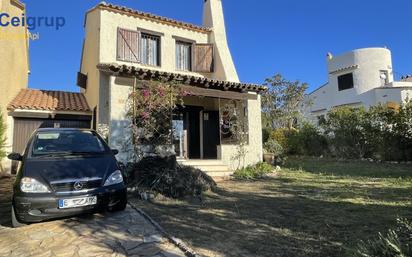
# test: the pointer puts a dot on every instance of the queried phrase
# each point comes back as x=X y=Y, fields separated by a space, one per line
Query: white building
x=122 y=44
x=362 y=77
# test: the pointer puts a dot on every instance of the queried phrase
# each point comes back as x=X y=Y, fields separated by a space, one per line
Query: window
x=183 y=56
x=150 y=50
x=384 y=76
x=345 y=81
x=66 y=143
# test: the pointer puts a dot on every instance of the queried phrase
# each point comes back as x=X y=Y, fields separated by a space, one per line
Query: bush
x=396 y=243
x=272 y=146
x=279 y=135
x=266 y=134
x=345 y=128
x=308 y=140
x=165 y=176
x=254 y=171
x=2 y=137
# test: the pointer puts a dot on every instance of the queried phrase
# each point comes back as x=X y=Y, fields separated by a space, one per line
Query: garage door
x=24 y=128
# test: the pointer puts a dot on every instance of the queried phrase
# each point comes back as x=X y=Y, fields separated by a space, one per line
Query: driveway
x=124 y=233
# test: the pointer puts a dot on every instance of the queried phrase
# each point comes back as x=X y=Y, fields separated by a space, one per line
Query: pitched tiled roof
x=33 y=99
x=147 y=74
x=149 y=16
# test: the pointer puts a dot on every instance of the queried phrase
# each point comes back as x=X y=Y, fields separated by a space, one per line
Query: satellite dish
x=383 y=76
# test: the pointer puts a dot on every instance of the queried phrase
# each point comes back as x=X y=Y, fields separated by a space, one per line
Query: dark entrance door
x=192 y=125
x=211 y=137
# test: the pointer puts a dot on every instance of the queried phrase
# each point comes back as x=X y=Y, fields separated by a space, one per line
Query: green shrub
x=307 y=140
x=2 y=137
x=272 y=146
x=266 y=134
x=345 y=128
x=280 y=136
x=396 y=242
x=254 y=171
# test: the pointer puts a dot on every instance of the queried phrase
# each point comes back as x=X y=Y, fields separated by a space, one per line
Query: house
x=122 y=45
x=362 y=77
x=14 y=68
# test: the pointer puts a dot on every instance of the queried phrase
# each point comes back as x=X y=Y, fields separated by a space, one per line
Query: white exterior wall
x=254 y=150
x=110 y=21
x=369 y=89
x=213 y=18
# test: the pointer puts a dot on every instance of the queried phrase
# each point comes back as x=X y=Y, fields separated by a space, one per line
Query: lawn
x=314 y=207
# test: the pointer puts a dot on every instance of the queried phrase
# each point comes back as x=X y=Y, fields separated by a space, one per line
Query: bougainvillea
x=150 y=109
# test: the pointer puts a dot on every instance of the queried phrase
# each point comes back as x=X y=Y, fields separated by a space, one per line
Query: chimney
x=213 y=18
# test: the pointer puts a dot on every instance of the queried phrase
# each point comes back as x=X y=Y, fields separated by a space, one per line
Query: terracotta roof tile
x=33 y=99
x=149 y=16
x=148 y=74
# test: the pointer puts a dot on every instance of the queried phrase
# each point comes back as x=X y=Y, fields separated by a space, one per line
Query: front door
x=192 y=126
x=211 y=135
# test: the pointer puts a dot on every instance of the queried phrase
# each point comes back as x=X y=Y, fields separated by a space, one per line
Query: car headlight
x=115 y=178
x=30 y=185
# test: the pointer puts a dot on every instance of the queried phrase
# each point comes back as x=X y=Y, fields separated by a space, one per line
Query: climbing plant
x=150 y=110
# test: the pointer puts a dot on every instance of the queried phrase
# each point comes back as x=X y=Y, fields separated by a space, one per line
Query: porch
x=206 y=124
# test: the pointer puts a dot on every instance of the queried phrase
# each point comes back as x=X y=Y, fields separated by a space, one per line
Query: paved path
x=124 y=233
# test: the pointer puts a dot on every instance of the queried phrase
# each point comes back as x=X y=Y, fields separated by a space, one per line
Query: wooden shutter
x=128 y=45
x=203 y=58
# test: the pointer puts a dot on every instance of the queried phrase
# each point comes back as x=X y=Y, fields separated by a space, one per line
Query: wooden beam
x=197 y=91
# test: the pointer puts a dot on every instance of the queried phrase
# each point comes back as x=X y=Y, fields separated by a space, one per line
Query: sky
x=290 y=37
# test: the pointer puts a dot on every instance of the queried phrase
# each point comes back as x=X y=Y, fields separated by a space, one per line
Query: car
x=63 y=173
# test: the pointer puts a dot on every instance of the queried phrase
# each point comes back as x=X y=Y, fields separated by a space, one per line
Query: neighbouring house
x=362 y=77
x=122 y=45
x=14 y=66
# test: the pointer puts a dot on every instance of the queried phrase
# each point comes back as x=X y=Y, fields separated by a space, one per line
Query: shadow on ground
x=274 y=217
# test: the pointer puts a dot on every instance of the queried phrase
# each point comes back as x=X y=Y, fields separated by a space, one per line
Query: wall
x=254 y=150
x=213 y=17
x=90 y=59
x=110 y=21
x=14 y=64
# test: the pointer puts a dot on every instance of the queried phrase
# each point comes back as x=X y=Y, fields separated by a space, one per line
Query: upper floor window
x=150 y=49
x=345 y=81
x=183 y=56
x=134 y=46
x=384 y=77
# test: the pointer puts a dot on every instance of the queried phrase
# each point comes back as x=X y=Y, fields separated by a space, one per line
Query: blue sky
x=265 y=36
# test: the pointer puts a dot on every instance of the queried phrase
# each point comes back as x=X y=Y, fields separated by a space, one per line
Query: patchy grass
x=312 y=208
x=255 y=171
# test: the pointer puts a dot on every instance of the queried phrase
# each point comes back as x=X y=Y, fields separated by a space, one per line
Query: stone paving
x=124 y=233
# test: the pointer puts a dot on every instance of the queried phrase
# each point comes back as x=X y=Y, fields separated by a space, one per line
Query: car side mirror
x=15 y=157
x=115 y=151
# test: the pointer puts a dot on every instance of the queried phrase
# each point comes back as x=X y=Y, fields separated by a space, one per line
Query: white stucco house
x=362 y=77
x=122 y=45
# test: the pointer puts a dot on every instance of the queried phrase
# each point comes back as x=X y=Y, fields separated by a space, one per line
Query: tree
x=282 y=103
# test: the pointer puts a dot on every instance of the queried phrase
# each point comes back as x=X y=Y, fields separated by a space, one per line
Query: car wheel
x=14 y=222
x=120 y=206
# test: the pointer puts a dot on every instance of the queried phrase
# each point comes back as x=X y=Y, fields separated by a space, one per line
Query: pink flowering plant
x=150 y=109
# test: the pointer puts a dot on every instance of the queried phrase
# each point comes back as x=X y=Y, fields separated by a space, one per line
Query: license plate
x=77 y=202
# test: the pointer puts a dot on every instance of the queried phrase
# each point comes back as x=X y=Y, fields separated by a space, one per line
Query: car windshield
x=66 y=142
